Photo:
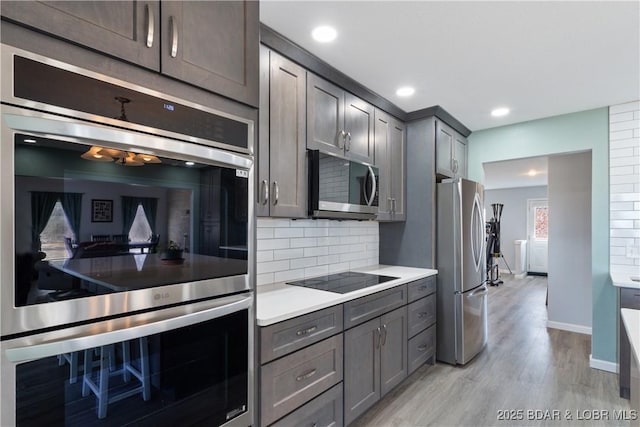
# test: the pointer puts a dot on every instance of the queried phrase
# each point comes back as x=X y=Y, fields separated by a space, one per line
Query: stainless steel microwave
x=341 y=188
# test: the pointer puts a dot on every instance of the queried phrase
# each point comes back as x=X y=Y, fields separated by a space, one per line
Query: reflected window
x=140 y=230
x=54 y=233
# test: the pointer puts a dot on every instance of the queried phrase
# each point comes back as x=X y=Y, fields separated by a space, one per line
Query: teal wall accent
x=581 y=131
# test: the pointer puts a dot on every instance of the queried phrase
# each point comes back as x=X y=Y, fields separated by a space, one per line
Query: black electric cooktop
x=343 y=283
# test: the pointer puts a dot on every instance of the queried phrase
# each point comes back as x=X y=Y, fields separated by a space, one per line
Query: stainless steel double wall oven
x=126 y=222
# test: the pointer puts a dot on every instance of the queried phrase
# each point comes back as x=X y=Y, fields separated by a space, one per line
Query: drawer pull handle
x=422 y=315
x=307 y=331
x=306 y=375
x=423 y=288
x=422 y=348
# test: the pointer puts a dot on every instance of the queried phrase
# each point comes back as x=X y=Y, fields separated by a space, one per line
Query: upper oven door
x=90 y=215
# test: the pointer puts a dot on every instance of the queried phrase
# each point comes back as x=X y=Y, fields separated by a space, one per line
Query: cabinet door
x=325 y=115
x=358 y=125
x=129 y=30
x=444 y=149
x=381 y=142
x=361 y=369
x=263 y=180
x=287 y=158
x=397 y=159
x=393 y=349
x=460 y=156
x=213 y=45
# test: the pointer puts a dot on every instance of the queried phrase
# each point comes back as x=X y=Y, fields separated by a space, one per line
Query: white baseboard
x=569 y=327
x=603 y=365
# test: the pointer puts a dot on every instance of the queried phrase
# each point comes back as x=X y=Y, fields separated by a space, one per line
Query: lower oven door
x=185 y=365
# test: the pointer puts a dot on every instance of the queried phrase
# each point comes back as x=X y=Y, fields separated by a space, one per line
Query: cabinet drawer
x=422 y=313
x=323 y=411
x=630 y=298
x=421 y=288
x=374 y=305
x=293 y=380
x=421 y=348
x=285 y=337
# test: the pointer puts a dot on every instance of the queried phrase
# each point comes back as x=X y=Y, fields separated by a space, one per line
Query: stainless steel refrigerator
x=460 y=260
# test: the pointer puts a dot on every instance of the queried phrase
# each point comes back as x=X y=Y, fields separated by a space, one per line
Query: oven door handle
x=128 y=328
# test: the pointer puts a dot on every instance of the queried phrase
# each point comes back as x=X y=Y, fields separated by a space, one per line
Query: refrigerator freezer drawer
x=471 y=314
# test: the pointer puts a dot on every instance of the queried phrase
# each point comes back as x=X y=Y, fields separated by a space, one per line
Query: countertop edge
x=631 y=320
x=325 y=299
x=623 y=279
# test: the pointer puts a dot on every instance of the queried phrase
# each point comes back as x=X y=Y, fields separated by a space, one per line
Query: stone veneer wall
x=294 y=249
x=624 y=186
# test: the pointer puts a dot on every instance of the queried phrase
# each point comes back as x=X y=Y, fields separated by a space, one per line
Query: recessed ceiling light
x=324 y=34
x=30 y=141
x=499 y=112
x=189 y=163
x=405 y=91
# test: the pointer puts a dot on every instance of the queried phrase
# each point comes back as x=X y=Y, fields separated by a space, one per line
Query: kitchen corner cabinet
x=390 y=155
x=375 y=361
x=282 y=166
x=338 y=122
x=212 y=45
x=451 y=152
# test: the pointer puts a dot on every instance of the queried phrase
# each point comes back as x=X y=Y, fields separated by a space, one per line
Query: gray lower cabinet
x=212 y=45
x=422 y=347
x=291 y=381
x=390 y=156
x=375 y=361
x=629 y=298
x=323 y=411
x=374 y=305
x=338 y=122
x=422 y=314
x=282 y=166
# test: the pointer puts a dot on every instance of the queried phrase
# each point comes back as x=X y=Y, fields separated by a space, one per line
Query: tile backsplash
x=624 y=186
x=291 y=249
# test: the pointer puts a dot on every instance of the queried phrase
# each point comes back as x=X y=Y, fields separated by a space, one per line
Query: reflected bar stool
x=107 y=369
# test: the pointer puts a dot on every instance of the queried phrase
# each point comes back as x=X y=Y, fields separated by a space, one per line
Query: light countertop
x=622 y=279
x=631 y=320
x=278 y=302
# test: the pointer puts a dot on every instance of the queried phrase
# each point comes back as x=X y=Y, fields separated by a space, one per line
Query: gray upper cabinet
x=338 y=122
x=390 y=155
x=451 y=152
x=212 y=45
x=129 y=30
x=282 y=166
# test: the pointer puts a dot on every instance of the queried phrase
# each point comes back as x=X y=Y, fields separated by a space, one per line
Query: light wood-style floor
x=525 y=366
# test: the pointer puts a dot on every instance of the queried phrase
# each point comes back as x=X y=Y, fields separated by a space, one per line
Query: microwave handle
x=371 y=175
x=130 y=328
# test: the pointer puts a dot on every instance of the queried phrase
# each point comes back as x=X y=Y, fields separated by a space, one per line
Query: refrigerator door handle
x=481 y=291
x=477 y=233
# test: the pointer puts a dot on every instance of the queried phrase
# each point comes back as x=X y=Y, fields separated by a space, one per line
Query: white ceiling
x=515 y=173
x=540 y=58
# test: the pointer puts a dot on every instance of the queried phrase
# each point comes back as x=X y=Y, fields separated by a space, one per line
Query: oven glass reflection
x=195 y=375
x=95 y=220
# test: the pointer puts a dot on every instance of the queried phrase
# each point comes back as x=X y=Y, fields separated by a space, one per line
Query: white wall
x=513 y=225
x=570 y=242
x=294 y=249
x=624 y=188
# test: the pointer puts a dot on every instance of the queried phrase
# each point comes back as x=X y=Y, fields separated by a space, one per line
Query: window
x=54 y=233
x=541 y=230
x=140 y=230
